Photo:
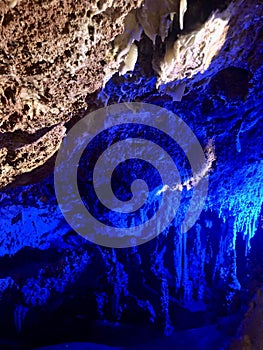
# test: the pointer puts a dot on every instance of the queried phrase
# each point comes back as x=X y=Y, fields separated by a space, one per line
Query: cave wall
x=176 y=281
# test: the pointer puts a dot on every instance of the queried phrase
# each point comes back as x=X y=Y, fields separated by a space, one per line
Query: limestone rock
x=21 y=153
x=52 y=54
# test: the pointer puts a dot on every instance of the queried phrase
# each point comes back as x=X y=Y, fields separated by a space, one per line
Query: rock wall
x=175 y=280
x=52 y=55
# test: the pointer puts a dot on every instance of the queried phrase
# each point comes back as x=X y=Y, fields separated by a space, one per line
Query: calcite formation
x=50 y=62
x=216 y=44
x=207 y=68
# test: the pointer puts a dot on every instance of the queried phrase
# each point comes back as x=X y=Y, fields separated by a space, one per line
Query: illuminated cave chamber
x=206 y=68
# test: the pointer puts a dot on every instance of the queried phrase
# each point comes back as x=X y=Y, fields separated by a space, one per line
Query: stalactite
x=226 y=266
x=20 y=313
x=178 y=253
x=186 y=282
x=164 y=299
x=197 y=263
x=39 y=290
x=183 y=9
x=117 y=280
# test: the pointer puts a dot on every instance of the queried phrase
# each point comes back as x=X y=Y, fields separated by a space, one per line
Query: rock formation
x=50 y=61
x=60 y=60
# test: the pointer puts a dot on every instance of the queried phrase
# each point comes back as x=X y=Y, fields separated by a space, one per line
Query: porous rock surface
x=159 y=282
x=52 y=54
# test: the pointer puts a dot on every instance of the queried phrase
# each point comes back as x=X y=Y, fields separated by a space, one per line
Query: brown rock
x=52 y=54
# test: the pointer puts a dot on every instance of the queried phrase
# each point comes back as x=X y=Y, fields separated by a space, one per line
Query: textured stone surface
x=181 y=281
x=44 y=80
x=226 y=38
x=52 y=54
x=19 y=155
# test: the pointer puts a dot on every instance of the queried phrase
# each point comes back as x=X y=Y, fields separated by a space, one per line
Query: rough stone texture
x=192 y=53
x=52 y=54
x=224 y=89
x=44 y=81
x=18 y=155
x=217 y=44
x=170 y=281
